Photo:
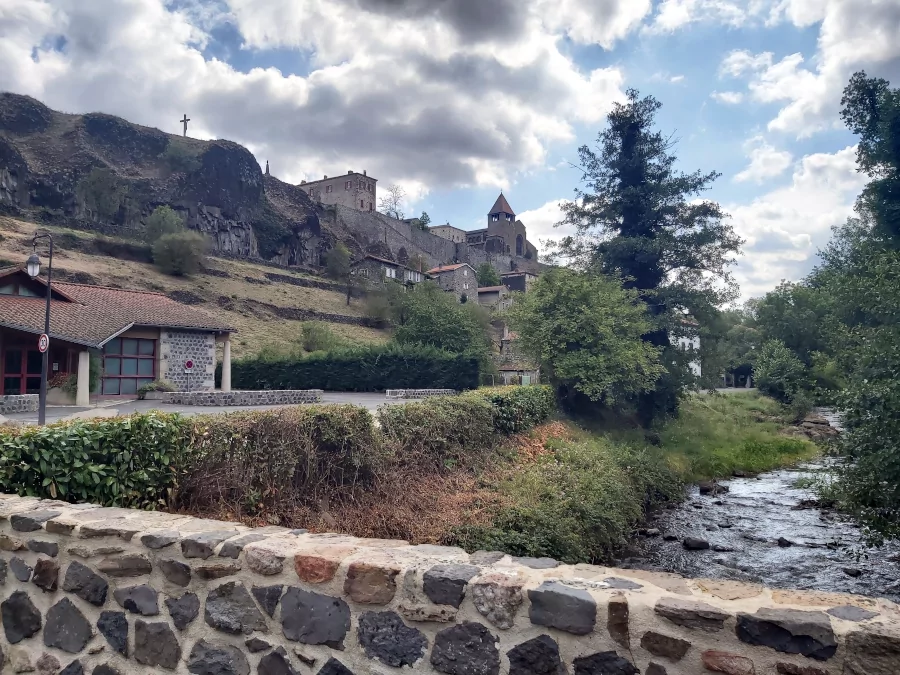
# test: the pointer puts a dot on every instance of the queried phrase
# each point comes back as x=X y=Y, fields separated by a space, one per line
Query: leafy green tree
x=585 y=331
x=487 y=275
x=434 y=317
x=101 y=193
x=642 y=220
x=779 y=373
x=337 y=262
x=795 y=314
x=871 y=110
x=180 y=253
x=164 y=220
x=179 y=157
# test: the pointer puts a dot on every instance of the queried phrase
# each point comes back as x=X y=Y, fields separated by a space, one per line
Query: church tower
x=501 y=212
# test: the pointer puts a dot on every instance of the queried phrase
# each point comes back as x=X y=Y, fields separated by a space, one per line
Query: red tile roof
x=501 y=206
x=446 y=268
x=98 y=313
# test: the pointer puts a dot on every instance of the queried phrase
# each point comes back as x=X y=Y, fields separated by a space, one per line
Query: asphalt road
x=112 y=408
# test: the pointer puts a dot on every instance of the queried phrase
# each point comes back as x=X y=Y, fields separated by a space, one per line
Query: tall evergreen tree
x=640 y=219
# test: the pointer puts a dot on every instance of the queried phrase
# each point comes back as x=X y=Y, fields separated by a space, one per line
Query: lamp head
x=33 y=265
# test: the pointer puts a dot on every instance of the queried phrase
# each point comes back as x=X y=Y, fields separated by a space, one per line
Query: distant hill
x=101 y=173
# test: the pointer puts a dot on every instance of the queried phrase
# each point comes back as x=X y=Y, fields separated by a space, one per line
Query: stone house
x=139 y=337
x=378 y=270
x=518 y=281
x=353 y=190
x=495 y=297
x=459 y=279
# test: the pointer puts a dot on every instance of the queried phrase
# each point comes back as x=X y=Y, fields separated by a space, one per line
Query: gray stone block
x=562 y=607
x=385 y=637
x=313 y=618
x=67 y=628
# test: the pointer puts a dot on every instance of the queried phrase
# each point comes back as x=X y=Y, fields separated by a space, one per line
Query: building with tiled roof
x=376 y=270
x=138 y=336
x=459 y=279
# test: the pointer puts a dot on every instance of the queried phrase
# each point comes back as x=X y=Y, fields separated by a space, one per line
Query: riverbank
x=582 y=495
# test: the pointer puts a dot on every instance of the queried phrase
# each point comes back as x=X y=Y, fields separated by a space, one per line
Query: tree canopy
x=487 y=275
x=643 y=221
x=584 y=330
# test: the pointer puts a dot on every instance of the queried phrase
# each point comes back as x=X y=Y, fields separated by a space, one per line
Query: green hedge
x=373 y=368
x=518 y=409
x=438 y=433
x=124 y=461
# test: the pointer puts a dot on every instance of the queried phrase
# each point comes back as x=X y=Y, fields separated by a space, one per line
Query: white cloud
x=541 y=222
x=853 y=35
x=785 y=227
x=675 y=79
x=727 y=97
x=416 y=92
x=765 y=161
x=674 y=14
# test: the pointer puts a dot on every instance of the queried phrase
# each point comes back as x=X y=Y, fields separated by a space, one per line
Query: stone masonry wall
x=16 y=403
x=108 y=591
x=242 y=398
x=176 y=347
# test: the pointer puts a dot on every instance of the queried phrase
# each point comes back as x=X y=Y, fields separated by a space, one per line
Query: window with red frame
x=128 y=364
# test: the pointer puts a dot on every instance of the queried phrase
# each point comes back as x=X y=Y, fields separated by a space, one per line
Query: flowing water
x=819 y=549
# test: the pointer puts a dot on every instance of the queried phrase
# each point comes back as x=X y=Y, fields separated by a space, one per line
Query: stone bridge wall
x=15 y=403
x=112 y=591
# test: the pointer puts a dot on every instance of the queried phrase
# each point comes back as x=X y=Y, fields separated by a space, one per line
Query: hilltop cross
x=184 y=122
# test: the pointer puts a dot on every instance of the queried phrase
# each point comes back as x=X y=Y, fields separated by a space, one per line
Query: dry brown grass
x=256 y=326
x=418 y=506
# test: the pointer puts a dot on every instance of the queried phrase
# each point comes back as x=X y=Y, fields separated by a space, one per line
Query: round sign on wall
x=189 y=365
x=43 y=343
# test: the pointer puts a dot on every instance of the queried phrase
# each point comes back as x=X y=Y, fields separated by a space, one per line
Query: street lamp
x=33 y=265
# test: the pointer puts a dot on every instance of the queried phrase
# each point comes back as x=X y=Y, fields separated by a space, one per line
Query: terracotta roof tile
x=446 y=268
x=98 y=313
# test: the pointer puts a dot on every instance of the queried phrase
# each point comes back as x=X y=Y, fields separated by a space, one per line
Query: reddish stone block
x=320 y=566
x=371 y=583
x=730 y=664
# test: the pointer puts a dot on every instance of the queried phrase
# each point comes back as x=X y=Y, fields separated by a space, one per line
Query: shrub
x=517 y=409
x=337 y=262
x=318 y=337
x=179 y=157
x=779 y=373
x=443 y=432
x=179 y=253
x=156 y=385
x=124 y=461
x=369 y=368
x=161 y=222
x=101 y=193
x=266 y=461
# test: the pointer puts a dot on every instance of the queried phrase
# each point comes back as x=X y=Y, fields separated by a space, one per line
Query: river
x=819 y=549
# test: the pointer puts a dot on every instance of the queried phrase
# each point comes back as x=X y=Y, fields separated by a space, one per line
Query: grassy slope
x=256 y=326
x=580 y=500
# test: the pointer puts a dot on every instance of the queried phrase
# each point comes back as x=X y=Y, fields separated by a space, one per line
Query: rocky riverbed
x=768 y=529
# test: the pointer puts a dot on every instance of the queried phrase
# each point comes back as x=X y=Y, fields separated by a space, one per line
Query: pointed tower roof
x=501 y=206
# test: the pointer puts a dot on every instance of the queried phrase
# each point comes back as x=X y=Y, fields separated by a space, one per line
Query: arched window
x=520 y=244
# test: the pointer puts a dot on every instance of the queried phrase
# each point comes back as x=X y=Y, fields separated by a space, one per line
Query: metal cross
x=184 y=122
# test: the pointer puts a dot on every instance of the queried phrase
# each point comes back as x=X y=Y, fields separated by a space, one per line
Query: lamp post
x=33 y=265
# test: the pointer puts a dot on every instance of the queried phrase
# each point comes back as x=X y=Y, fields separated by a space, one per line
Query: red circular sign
x=43 y=343
x=188 y=364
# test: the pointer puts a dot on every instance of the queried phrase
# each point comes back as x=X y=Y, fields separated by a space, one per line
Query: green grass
x=581 y=502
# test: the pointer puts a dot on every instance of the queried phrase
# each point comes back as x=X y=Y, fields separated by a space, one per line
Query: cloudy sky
x=456 y=99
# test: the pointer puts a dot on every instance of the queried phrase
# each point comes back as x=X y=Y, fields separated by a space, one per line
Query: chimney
x=302 y=182
x=325 y=177
x=364 y=172
x=349 y=173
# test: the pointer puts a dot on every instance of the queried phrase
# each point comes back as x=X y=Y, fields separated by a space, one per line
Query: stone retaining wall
x=243 y=398
x=19 y=403
x=419 y=393
x=110 y=591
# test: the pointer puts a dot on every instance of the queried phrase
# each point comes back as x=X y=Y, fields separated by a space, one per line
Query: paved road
x=110 y=408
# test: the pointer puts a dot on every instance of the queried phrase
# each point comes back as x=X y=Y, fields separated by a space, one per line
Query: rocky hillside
x=103 y=173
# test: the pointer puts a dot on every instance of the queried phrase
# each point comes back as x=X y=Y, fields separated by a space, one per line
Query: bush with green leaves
x=123 y=461
x=517 y=409
x=319 y=337
x=365 y=368
x=179 y=157
x=443 y=432
x=487 y=275
x=101 y=193
x=156 y=385
x=164 y=220
x=180 y=253
x=779 y=373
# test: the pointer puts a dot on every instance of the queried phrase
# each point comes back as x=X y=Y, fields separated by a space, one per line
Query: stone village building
x=354 y=190
x=139 y=336
x=377 y=270
x=450 y=233
x=459 y=279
